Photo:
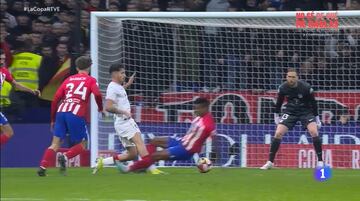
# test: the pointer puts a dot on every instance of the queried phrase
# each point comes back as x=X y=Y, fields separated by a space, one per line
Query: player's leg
x=49 y=155
x=50 y=152
x=309 y=122
x=175 y=152
x=286 y=123
x=145 y=162
x=162 y=142
x=6 y=130
x=78 y=134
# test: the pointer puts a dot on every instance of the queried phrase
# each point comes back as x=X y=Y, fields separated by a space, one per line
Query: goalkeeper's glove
x=318 y=122
x=276 y=118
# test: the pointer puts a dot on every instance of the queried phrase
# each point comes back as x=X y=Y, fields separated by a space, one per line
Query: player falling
x=73 y=96
x=301 y=106
x=129 y=134
x=6 y=131
x=202 y=127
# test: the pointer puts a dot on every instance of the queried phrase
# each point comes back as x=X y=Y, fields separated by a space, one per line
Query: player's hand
x=131 y=79
x=36 y=92
x=318 y=122
x=52 y=126
x=102 y=114
x=276 y=118
x=127 y=114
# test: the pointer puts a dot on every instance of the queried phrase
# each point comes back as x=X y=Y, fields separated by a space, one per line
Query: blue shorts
x=3 y=119
x=67 y=122
x=177 y=151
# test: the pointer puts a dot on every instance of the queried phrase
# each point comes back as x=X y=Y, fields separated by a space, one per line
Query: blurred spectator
x=144 y=5
x=36 y=42
x=54 y=69
x=23 y=25
x=17 y=7
x=6 y=17
x=85 y=28
x=235 y=76
x=24 y=67
x=114 y=7
x=5 y=47
x=195 y=5
x=353 y=4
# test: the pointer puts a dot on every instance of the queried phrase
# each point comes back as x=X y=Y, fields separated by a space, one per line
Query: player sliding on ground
x=184 y=148
x=73 y=96
x=301 y=106
x=6 y=131
x=117 y=103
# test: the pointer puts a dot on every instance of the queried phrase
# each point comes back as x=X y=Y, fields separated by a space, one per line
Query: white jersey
x=117 y=93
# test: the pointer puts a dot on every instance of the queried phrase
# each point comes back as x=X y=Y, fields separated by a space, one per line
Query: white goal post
x=237 y=60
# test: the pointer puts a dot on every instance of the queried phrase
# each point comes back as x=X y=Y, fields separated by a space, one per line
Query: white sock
x=152 y=167
x=108 y=161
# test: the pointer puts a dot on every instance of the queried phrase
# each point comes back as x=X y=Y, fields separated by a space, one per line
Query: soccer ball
x=204 y=165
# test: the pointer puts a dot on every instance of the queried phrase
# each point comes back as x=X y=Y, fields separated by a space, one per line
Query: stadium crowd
x=39 y=48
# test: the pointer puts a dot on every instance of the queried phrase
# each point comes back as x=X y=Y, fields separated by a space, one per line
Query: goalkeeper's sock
x=318 y=147
x=3 y=139
x=109 y=160
x=49 y=155
x=275 y=144
x=74 y=151
x=144 y=163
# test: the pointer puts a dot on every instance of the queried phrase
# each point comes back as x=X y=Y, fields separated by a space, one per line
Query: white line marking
x=23 y=199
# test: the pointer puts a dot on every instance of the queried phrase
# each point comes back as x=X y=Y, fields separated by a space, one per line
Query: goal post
x=237 y=60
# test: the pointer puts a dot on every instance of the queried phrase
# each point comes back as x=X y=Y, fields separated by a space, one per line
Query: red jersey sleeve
x=8 y=76
x=97 y=94
x=58 y=96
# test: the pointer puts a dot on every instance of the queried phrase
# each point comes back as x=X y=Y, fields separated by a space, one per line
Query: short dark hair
x=292 y=70
x=83 y=62
x=116 y=67
x=202 y=101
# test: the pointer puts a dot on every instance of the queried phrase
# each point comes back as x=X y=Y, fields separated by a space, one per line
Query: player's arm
x=314 y=107
x=130 y=82
x=110 y=107
x=313 y=103
x=19 y=86
x=54 y=104
x=98 y=96
x=24 y=88
x=278 y=104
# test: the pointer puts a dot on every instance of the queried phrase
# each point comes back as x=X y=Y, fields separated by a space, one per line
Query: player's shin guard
x=74 y=151
x=49 y=155
x=318 y=147
x=3 y=139
x=144 y=163
x=275 y=144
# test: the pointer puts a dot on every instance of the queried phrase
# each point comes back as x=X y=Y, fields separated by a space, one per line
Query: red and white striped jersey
x=74 y=95
x=5 y=76
x=201 y=128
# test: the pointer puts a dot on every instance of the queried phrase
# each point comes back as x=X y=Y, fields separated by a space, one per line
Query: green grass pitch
x=181 y=184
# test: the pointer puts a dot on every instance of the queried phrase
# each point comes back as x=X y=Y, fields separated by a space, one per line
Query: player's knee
x=132 y=155
x=7 y=130
x=313 y=133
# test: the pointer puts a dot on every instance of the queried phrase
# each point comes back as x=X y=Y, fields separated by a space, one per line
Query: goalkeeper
x=301 y=106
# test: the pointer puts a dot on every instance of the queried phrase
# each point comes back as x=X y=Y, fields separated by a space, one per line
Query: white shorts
x=126 y=130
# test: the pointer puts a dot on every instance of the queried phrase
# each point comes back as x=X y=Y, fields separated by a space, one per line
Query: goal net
x=237 y=61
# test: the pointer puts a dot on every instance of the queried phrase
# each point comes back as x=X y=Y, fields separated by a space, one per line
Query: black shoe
x=62 y=162
x=41 y=172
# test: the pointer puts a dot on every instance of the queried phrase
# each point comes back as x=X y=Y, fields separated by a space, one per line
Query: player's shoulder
x=208 y=120
x=304 y=84
x=282 y=86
